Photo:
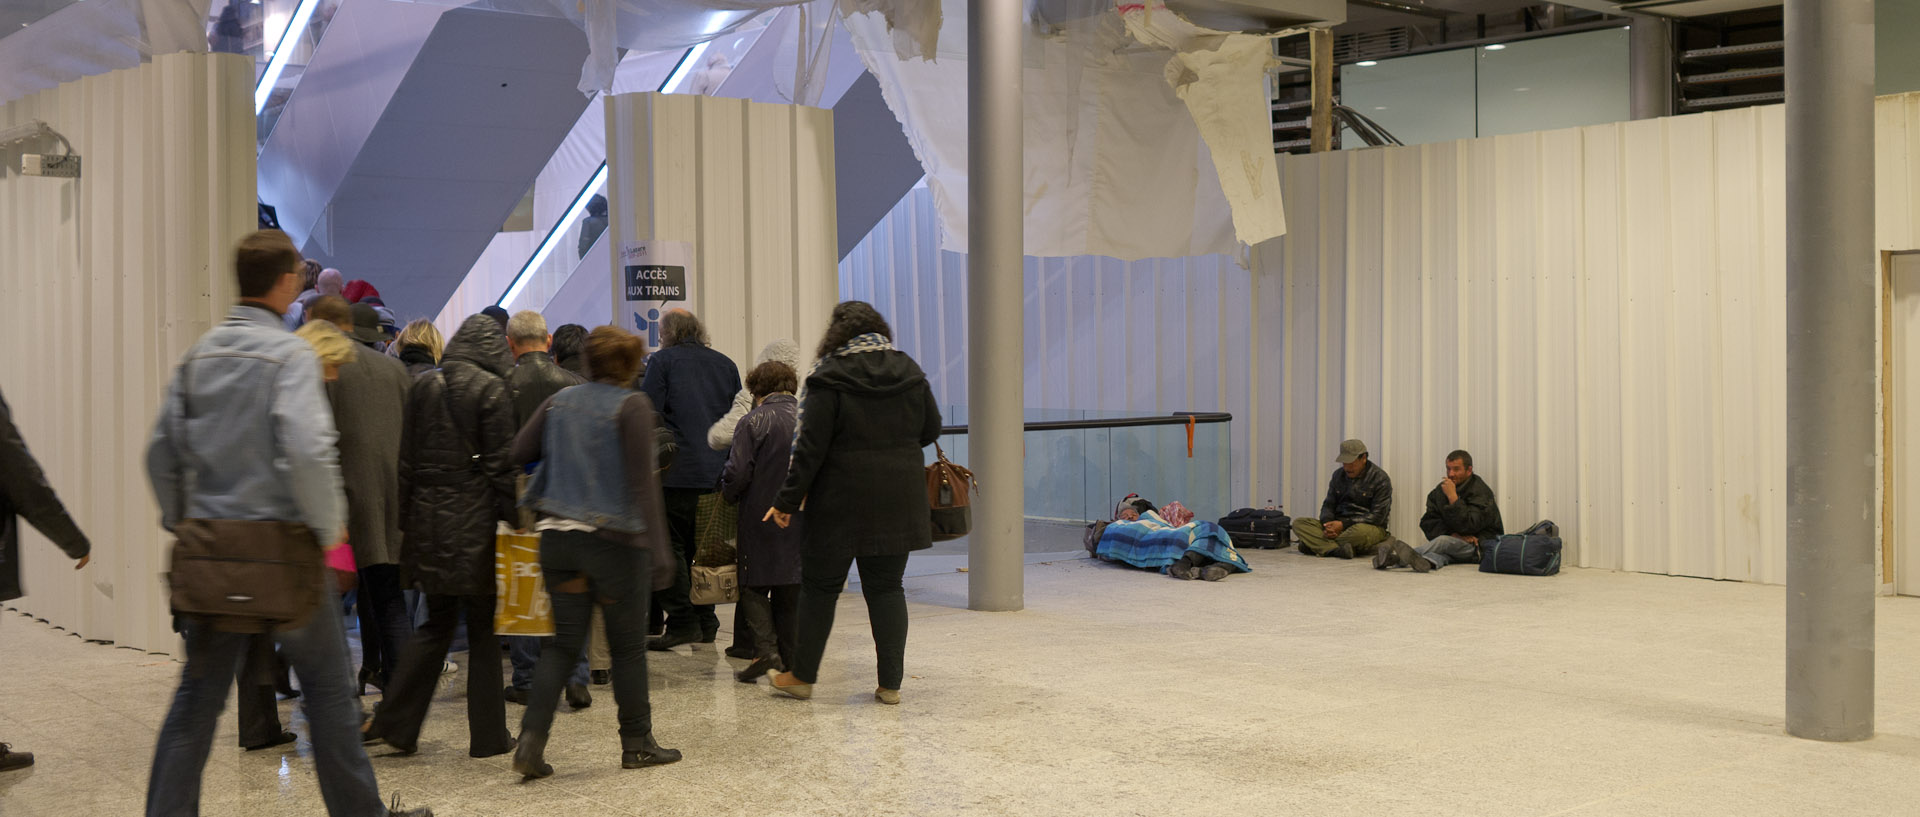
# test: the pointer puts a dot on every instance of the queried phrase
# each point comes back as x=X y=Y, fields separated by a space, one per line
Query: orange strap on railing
x=1189 y=436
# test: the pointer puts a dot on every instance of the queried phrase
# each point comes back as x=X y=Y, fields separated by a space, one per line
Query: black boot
x=758 y=670
x=643 y=751
x=10 y=759
x=669 y=641
x=578 y=696
x=529 y=759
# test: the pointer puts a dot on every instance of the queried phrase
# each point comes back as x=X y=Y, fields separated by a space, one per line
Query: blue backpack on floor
x=1533 y=552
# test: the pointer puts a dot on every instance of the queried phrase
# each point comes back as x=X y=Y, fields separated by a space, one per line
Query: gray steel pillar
x=1831 y=376
x=1650 y=67
x=996 y=554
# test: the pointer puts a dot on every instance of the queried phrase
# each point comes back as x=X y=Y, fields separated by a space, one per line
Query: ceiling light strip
x=282 y=52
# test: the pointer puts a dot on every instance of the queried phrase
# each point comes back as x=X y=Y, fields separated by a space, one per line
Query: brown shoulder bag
x=950 y=493
x=247 y=576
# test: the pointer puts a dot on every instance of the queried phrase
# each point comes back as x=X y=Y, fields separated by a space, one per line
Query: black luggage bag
x=1262 y=529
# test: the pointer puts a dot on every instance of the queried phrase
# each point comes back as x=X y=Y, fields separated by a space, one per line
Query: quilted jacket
x=456 y=470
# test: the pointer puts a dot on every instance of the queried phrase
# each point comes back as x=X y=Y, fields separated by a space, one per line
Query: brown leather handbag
x=950 y=493
x=245 y=576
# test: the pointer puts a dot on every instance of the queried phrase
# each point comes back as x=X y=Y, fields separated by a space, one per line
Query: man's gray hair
x=680 y=326
x=527 y=326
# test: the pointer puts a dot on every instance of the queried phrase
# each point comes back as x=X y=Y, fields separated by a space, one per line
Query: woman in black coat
x=866 y=416
x=456 y=483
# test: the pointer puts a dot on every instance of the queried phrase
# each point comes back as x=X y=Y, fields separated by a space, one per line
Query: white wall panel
x=751 y=186
x=107 y=279
x=1598 y=314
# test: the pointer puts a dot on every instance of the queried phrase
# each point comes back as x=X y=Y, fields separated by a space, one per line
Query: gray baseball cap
x=1352 y=450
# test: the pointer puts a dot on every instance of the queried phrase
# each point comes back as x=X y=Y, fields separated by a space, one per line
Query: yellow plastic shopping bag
x=522 y=606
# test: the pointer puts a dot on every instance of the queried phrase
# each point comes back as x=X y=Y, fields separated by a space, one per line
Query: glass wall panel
x=1564 y=81
x=1554 y=82
x=1419 y=99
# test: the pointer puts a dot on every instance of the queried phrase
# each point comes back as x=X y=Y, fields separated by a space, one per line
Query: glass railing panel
x=1077 y=473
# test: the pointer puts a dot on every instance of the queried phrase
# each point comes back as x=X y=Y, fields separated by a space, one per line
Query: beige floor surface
x=1309 y=687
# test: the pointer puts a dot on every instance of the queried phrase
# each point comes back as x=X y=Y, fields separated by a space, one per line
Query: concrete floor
x=1309 y=687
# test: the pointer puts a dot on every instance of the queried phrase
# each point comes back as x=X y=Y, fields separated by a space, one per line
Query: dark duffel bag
x=1254 y=520
x=1535 y=552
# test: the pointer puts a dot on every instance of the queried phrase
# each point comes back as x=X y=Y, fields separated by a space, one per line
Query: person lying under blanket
x=1194 y=550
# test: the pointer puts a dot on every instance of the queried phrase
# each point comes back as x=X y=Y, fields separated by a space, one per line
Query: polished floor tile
x=1308 y=687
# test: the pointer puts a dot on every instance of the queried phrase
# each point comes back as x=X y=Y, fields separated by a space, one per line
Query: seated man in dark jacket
x=1353 y=519
x=535 y=378
x=1460 y=513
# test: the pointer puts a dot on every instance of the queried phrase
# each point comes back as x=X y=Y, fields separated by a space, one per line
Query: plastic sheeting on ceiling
x=92 y=38
x=1117 y=162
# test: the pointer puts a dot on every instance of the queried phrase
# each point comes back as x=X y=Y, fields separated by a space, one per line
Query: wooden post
x=1320 y=41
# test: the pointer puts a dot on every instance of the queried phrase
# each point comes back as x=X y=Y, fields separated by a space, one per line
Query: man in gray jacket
x=245 y=433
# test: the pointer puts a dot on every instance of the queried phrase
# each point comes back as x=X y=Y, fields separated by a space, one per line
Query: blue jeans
x=1447 y=550
x=318 y=655
x=524 y=650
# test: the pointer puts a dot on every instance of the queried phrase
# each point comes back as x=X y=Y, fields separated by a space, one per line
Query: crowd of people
x=400 y=455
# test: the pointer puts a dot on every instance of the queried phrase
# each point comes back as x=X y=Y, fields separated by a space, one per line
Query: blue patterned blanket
x=1154 y=544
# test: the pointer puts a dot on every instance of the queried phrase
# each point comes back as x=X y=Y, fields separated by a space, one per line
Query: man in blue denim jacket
x=246 y=421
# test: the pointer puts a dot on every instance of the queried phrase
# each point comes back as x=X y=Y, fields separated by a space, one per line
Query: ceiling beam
x=1417 y=8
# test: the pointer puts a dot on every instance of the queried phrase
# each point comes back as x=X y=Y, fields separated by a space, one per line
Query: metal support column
x=1831 y=268
x=996 y=551
x=1650 y=67
x=1320 y=48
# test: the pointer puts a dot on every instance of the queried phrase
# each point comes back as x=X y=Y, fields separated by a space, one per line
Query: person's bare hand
x=1334 y=528
x=776 y=517
x=1447 y=487
x=1471 y=540
x=82 y=563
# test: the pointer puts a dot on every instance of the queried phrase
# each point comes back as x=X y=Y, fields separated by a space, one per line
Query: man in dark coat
x=691 y=385
x=534 y=379
x=535 y=376
x=1461 y=513
x=1353 y=519
x=24 y=492
x=368 y=400
x=456 y=485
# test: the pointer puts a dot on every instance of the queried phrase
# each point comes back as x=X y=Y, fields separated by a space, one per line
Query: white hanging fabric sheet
x=1115 y=163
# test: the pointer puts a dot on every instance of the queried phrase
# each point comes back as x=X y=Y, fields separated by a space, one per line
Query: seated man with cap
x=1353 y=519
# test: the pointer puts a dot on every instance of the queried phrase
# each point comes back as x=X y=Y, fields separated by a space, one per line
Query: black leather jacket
x=456 y=468
x=1363 y=500
x=535 y=377
x=24 y=492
